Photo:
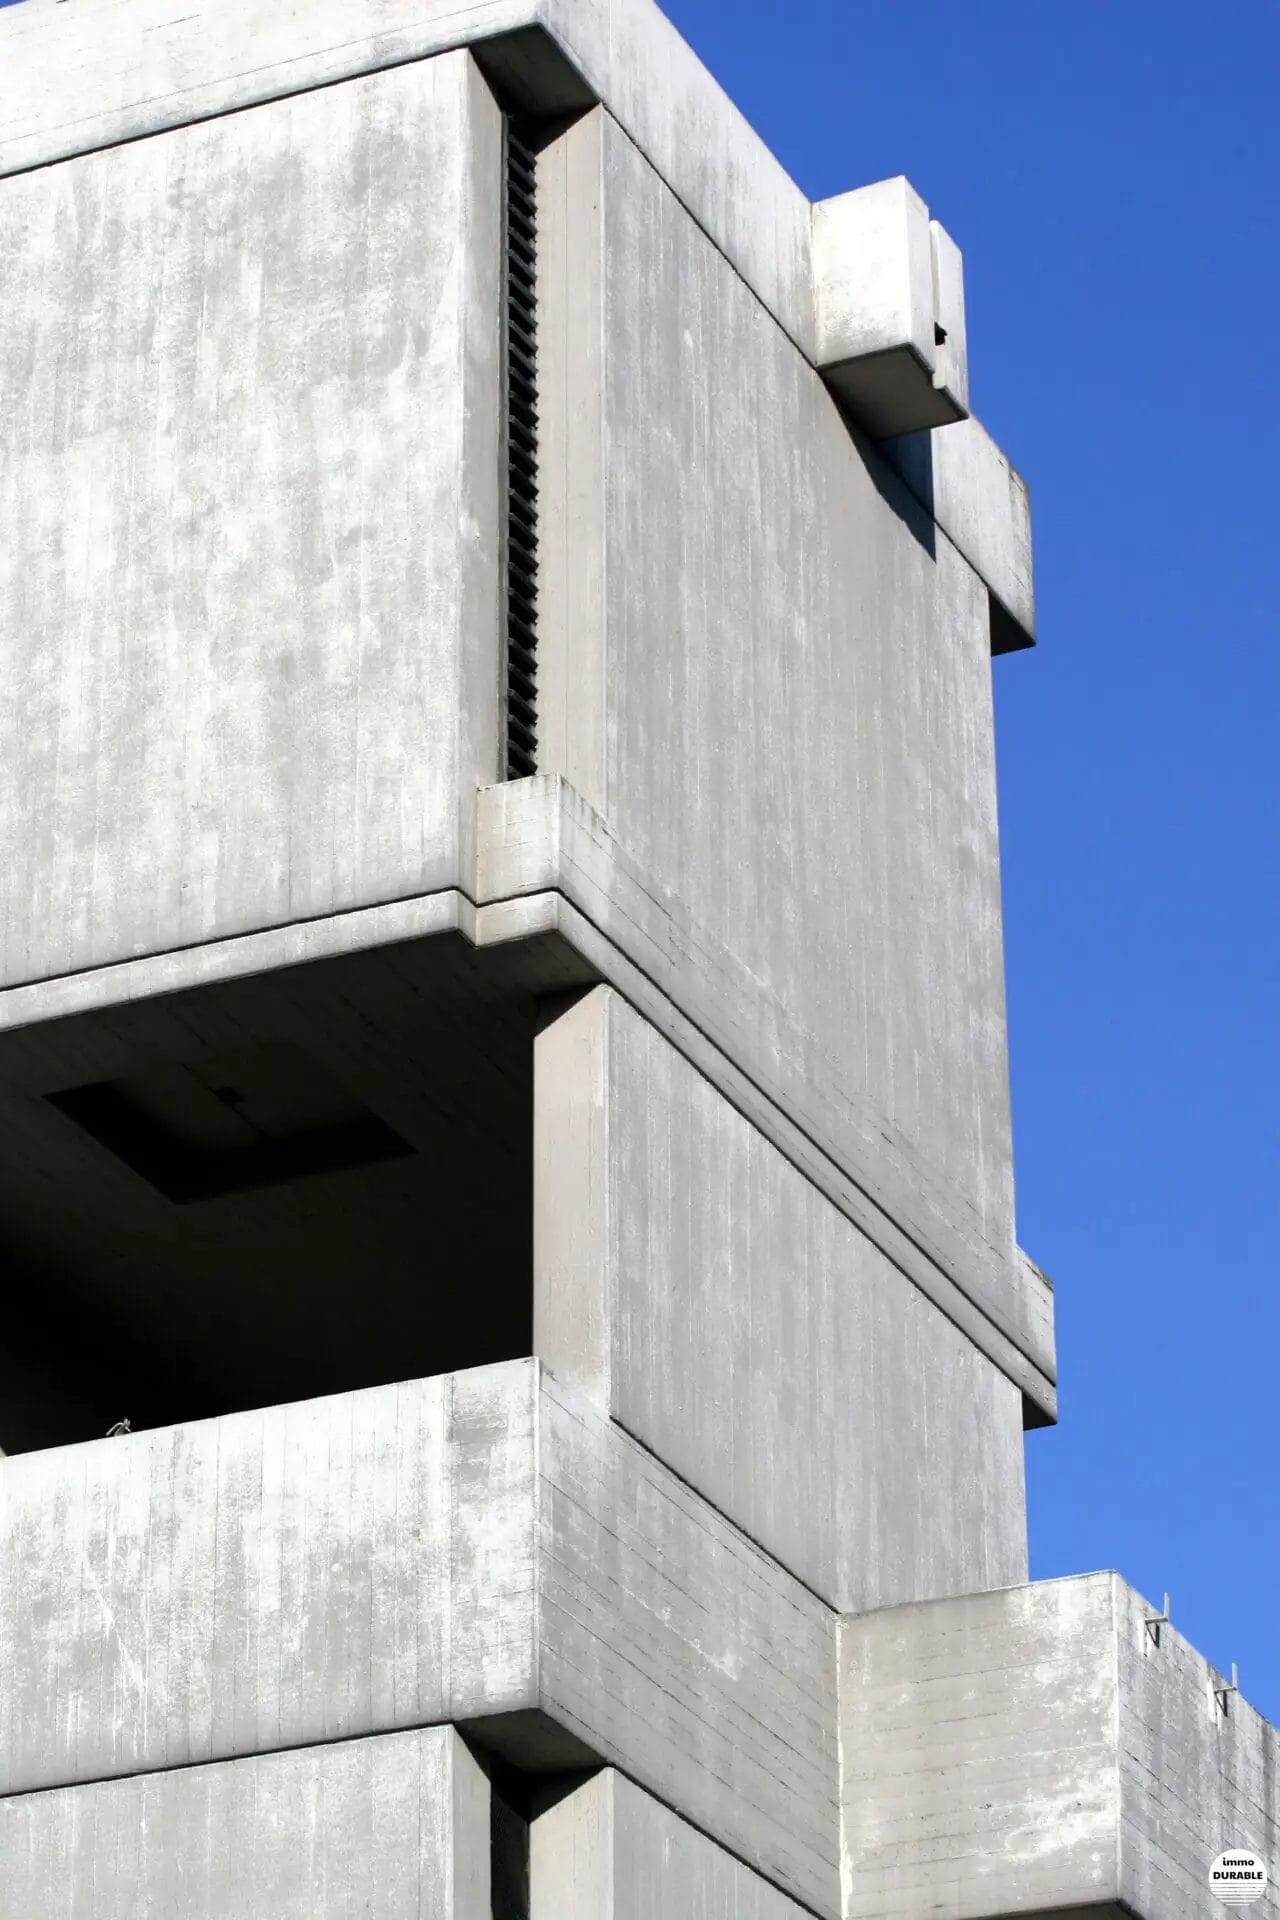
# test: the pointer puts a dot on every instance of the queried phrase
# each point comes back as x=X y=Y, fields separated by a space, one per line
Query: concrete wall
x=774 y=683
x=704 y=1292
x=1040 y=1748
x=249 y=583
x=396 y=1826
x=482 y=1547
x=608 y=1851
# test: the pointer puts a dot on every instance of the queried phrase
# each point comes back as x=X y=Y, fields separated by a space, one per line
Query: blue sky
x=1111 y=172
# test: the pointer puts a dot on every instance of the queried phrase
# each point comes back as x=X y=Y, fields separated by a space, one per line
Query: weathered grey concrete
x=608 y=1851
x=541 y=847
x=127 y=67
x=889 y=298
x=220 y=719
x=396 y=1826
x=797 y=741
x=121 y=68
x=483 y=1548
x=973 y=493
x=559 y=895
x=700 y=1289
x=1041 y=1748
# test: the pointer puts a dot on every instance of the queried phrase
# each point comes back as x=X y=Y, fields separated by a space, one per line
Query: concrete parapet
x=398 y=1826
x=1053 y=1746
x=483 y=1548
x=697 y=1285
x=608 y=1851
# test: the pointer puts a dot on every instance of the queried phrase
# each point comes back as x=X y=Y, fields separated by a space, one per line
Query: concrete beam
x=694 y=1283
x=484 y=1548
x=889 y=296
x=608 y=1851
x=397 y=1825
x=984 y=507
x=1048 y=1747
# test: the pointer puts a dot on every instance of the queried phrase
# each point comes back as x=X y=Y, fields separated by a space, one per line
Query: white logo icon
x=1237 y=1878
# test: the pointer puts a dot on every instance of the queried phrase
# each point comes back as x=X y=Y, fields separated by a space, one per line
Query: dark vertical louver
x=522 y=455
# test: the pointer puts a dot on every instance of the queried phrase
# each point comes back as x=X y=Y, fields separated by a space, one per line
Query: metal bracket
x=1154 y=1621
x=1223 y=1693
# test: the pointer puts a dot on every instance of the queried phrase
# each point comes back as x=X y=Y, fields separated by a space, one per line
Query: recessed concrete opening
x=300 y=1183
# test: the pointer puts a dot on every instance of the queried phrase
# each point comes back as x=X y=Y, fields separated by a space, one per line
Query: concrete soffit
x=868 y=288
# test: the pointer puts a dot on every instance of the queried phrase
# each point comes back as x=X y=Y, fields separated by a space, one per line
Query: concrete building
x=502 y=1038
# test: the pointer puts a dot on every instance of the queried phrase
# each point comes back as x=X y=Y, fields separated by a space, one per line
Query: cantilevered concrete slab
x=483 y=1548
x=1047 y=1748
x=706 y=1294
x=396 y=1826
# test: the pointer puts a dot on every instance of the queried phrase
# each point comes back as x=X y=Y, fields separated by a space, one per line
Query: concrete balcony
x=480 y=1548
x=1042 y=1749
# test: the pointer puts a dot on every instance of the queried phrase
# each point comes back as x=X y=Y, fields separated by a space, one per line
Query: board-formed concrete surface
x=249 y=583
x=397 y=1826
x=690 y=1279
x=796 y=736
x=1045 y=1747
x=608 y=1851
x=483 y=1548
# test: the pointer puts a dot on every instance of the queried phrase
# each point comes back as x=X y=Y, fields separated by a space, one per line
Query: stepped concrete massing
x=503 y=1076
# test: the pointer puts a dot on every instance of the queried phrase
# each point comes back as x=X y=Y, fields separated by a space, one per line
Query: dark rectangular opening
x=303 y=1183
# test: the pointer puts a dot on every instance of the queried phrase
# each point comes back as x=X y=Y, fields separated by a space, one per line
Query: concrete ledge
x=983 y=506
x=607 y=1851
x=1044 y=1748
x=399 y=1825
x=481 y=1548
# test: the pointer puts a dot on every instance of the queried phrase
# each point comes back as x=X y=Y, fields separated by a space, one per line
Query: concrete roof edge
x=123 y=69
x=92 y=74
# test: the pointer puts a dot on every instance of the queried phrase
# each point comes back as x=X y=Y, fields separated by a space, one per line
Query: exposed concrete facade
x=397 y=1826
x=1054 y=1746
x=548 y=1214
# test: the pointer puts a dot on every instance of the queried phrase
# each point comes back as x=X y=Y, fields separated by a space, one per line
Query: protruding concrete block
x=1045 y=1748
x=608 y=1851
x=691 y=1280
x=484 y=1548
x=397 y=1826
x=889 y=294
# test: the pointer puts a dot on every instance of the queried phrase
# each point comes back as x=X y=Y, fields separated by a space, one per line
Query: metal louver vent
x=521 y=455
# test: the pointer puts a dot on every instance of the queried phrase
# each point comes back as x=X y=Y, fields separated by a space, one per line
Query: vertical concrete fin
x=572 y=1310
x=571 y=1855
x=571 y=460
x=469 y=1858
